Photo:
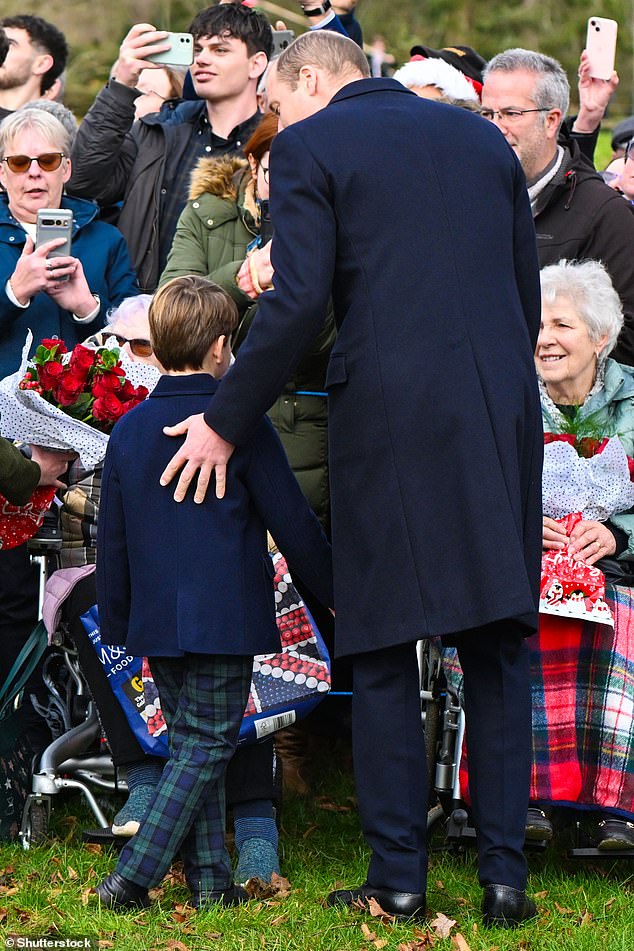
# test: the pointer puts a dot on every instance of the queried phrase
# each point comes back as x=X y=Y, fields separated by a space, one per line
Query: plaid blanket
x=582 y=676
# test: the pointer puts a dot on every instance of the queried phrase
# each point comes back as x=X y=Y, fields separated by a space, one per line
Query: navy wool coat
x=415 y=216
x=175 y=578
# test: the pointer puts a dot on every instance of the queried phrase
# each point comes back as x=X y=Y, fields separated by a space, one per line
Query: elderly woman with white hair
x=583 y=670
x=66 y=296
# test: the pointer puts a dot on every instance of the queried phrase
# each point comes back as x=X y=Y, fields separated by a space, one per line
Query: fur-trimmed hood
x=217 y=176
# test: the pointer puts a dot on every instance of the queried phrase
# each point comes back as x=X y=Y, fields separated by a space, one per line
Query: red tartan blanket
x=582 y=676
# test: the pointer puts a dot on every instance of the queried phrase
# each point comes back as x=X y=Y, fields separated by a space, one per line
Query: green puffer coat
x=213 y=232
x=611 y=410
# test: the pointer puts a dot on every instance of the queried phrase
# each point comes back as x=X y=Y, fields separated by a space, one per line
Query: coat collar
x=360 y=87
x=83 y=213
x=194 y=384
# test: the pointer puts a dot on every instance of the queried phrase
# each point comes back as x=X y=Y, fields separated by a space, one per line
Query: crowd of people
x=287 y=245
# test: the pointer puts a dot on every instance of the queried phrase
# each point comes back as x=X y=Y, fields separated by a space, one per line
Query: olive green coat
x=213 y=233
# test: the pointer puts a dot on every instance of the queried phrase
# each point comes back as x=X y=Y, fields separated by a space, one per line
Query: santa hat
x=463 y=58
x=436 y=72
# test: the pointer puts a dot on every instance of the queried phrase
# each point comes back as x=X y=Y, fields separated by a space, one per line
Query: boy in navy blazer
x=190 y=587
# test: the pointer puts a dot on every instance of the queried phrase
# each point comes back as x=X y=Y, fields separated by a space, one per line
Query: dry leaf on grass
x=377 y=912
x=439 y=885
x=442 y=925
x=93 y=847
x=156 y=894
x=278 y=887
x=540 y=894
x=367 y=932
x=309 y=831
x=586 y=918
x=322 y=802
x=564 y=911
x=3 y=914
x=424 y=944
x=104 y=943
x=459 y=943
x=609 y=903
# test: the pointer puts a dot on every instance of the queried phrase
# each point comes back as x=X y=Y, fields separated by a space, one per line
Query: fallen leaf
x=459 y=942
x=156 y=893
x=564 y=911
x=379 y=943
x=586 y=918
x=93 y=847
x=540 y=894
x=440 y=885
x=279 y=920
x=609 y=903
x=213 y=935
x=367 y=933
x=377 y=912
x=3 y=914
x=72 y=874
x=323 y=803
x=278 y=887
x=309 y=831
x=442 y=925
x=176 y=946
x=104 y=943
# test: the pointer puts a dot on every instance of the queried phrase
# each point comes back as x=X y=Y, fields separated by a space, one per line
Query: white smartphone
x=601 y=46
x=180 y=53
x=54 y=223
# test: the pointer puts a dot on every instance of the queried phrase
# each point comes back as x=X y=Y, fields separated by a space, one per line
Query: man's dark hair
x=4 y=46
x=45 y=37
x=236 y=21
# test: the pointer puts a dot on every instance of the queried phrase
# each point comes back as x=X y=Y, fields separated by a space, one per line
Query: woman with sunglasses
x=69 y=295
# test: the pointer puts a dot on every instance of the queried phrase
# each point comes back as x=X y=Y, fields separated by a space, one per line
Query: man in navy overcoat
x=414 y=216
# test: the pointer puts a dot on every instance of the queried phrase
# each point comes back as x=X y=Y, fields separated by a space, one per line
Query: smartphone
x=601 y=46
x=281 y=39
x=54 y=223
x=180 y=53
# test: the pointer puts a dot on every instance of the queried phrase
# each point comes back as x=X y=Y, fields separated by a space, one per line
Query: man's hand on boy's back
x=203 y=451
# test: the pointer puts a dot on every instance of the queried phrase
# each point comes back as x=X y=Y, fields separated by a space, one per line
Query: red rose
x=50 y=373
x=82 y=359
x=69 y=387
x=107 y=382
x=50 y=343
x=107 y=408
x=559 y=437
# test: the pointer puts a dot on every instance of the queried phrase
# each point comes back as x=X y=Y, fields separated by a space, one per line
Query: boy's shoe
x=257 y=858
x=120 y=894
x=129 y=818
x=233 y=895
x=539 y=828
x=615 y=834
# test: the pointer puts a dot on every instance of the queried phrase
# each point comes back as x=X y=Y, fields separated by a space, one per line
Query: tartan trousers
x=203 y=698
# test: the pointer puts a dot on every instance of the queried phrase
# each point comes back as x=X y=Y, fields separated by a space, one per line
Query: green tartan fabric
x=203 y=698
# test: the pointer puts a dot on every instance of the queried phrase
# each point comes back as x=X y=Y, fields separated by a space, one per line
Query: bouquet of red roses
x=88 y=385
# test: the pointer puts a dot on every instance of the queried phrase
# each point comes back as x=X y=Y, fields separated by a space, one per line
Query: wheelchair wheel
x=34 y=830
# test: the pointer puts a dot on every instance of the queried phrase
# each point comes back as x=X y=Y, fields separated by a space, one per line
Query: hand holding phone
x=601 y=46
x=179 y=53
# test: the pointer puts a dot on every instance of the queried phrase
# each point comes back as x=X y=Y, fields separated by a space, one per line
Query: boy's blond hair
x=187 y=315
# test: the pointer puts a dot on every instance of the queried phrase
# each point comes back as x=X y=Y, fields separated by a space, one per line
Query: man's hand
x=203 y=451
x=142 y=40
x=594 y=96
x=52 y=463
x=261 y=263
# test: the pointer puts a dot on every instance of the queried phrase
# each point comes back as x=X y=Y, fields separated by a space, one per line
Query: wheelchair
x=77 y=758
x=448 y=816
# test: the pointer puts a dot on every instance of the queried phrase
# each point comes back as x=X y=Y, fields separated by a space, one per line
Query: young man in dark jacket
x=147 y=164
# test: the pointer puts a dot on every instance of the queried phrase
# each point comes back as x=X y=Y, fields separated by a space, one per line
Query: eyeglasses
x=48 y=162
x=629 y=150
x=265 y=172
x=508 y=115
x=138 y=346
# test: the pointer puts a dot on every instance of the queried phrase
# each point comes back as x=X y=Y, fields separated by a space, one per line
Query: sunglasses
x=48 y=162
x=138 y=346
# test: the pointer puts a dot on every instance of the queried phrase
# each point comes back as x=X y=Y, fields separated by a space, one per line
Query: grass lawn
x=46 y=891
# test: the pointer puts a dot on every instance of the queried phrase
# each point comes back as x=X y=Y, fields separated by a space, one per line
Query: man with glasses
x=35 y=60
x=577 y=216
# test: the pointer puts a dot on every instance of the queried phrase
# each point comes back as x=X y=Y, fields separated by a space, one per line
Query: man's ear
x=308 y=79
x=259 y=62
x=42 y=64
x=553 y=122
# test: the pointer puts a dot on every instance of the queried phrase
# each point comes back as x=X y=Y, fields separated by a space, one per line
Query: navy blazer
x=415 y=216
x=180 y=577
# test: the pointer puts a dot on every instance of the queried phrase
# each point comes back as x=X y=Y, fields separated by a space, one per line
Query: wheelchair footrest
x=104 y=837
x=593 y=853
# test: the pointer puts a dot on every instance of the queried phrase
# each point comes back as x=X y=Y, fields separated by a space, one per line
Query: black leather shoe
x=402 y=905
x=615 y=834
x=118 y=893
x=539 y=828
x=506 y=907
x=234 y=895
